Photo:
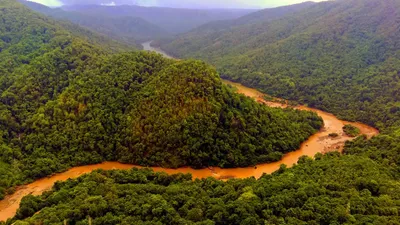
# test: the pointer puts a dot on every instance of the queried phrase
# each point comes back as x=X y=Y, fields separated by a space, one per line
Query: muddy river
x=319 y=142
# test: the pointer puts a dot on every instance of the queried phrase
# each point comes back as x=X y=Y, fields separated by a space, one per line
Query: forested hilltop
x=66 y=102
x=339 y=56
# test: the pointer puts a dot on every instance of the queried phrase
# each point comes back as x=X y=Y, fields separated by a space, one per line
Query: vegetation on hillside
x=208 y=124
x=218 y=33
x=65 y=102
x=338 y=56
x=359 y=187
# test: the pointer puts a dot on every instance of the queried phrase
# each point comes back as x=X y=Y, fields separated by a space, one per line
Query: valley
x=287 y=115
x=319 y=142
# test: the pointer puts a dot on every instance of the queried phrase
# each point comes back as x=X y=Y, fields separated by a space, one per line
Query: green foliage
x=66 y=102
x=331 y=190
x=338 y=56
x=384 y=149
x=351 y=130
x=209 y=125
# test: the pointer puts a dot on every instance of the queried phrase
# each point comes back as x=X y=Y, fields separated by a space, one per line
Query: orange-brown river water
x=319 y=142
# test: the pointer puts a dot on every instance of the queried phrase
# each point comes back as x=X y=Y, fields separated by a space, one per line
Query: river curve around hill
x=319 y=142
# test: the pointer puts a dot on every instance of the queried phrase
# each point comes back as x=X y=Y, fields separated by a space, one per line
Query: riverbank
x=147 y=47
x=319 y=142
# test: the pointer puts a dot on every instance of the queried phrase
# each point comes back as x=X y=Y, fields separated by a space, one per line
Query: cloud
x=97 y=2
x=51 y=3
x=108 y=4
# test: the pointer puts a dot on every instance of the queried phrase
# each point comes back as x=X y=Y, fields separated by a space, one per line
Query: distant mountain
x=187 y=4
x=128 y=29
x=261 y=16
x=220 y=32
x=173 y=20
x=339 y=56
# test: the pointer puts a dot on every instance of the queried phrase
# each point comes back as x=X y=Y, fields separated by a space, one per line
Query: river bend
x=319 y=142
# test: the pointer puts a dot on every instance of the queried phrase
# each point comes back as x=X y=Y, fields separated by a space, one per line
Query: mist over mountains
x=100 y=2
x=171 y=3
x=188 y=4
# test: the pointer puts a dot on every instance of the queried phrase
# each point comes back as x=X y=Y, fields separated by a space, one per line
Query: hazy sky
x=182 y=3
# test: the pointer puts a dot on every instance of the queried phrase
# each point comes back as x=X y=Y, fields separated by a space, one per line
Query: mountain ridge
x=127 y=29
x=344 y=44
x=174 y=20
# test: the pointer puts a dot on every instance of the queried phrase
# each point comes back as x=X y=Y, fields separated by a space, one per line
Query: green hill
x=339 y=56
x=208 y=124
x=66 y=102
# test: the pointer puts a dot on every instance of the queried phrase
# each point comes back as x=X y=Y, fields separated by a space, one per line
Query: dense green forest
x=331 y=189
x=66 y=102
x=360 y=187
x=71 y=97
x=127 y=29
x=339 y=56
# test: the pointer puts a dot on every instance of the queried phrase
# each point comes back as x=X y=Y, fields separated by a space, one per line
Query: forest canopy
x=66 y=102
x=332 y=189
x=338 y=56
